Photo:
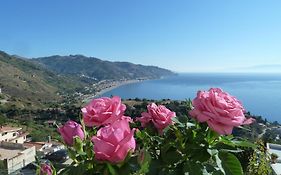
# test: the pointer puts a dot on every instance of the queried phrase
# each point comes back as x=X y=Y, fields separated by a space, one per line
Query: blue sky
x=181 y=35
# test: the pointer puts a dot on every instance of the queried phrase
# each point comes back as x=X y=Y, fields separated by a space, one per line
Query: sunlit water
x=260 y=93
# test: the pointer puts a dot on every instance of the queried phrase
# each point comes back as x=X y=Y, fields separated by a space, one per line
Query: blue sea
x=259 y=93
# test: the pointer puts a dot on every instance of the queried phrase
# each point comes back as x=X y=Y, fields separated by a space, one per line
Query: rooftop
x=8 y=129
x=7 y=153
x=9 y=150
x=38 y=145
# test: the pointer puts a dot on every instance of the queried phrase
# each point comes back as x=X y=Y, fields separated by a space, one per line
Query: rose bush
x=220 y=110
x=103 y=111
x=158 y=142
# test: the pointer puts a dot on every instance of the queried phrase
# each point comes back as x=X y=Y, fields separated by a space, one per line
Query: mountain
x=99 y=69
x=42 y=82
x=24 y=83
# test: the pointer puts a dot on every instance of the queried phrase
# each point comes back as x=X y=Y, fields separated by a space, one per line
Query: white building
x=14 y=156
x=11 y=134
x=276 y=149
x=45 y=148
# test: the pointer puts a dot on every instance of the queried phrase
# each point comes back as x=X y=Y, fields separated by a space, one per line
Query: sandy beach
x=113 y=86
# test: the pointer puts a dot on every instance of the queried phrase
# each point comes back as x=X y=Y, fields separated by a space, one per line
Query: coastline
x=113 y=85
x=118 y=84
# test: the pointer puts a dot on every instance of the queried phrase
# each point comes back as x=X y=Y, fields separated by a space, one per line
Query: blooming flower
x=160 y=116
x=220 y=110
x=69 y=130
x=113 y=142
x=103 y=111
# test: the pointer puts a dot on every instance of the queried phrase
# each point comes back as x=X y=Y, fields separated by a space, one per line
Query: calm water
x=260 y=93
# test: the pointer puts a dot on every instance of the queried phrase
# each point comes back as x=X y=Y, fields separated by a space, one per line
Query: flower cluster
x=113 y=138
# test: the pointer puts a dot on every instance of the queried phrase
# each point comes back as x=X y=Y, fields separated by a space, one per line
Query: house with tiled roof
x=12 y=134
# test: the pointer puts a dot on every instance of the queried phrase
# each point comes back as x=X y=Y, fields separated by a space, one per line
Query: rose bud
x=46 y=169
x=69 y=130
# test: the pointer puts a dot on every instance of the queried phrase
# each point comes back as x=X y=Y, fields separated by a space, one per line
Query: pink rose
x=69 y=130
x=45 y=169
x=160 y=116
x=113 y=142
x=220 y=110
x=103 y=111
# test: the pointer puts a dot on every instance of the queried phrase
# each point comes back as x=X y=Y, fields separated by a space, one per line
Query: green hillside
x=99 y=69
x=24 y=83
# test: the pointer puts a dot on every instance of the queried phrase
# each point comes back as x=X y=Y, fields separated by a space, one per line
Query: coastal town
x=101 y=87
x=20 y=155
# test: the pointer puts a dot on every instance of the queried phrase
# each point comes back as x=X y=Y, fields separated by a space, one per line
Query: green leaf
x=175 y=119
x=192 y=168
x=89 y=150
x=244 y=143
x=78 y=144
x=144 y=160
x=217 y=172
x=139 y=134
x=125 y=169
x=172 y=156
x=183 y=118
x=230 y=163
x=189 y=104
x=111 y=169
x=199 y=154
x=227 y=141
x=155 y=166
x=72 y=154
x=211 y=135
x=232 y=150
x=241 y=127
x=165 y=130
x=212 y=152
x=74 y=170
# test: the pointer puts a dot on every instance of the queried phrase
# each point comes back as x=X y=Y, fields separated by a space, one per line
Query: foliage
x=3 y=120
x=274 y=156
x=259 y=161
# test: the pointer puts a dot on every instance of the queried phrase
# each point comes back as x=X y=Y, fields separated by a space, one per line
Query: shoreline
x=114 y=85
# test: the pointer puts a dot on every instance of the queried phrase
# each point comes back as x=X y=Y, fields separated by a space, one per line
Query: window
x=16 y=141
x=14 y=134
